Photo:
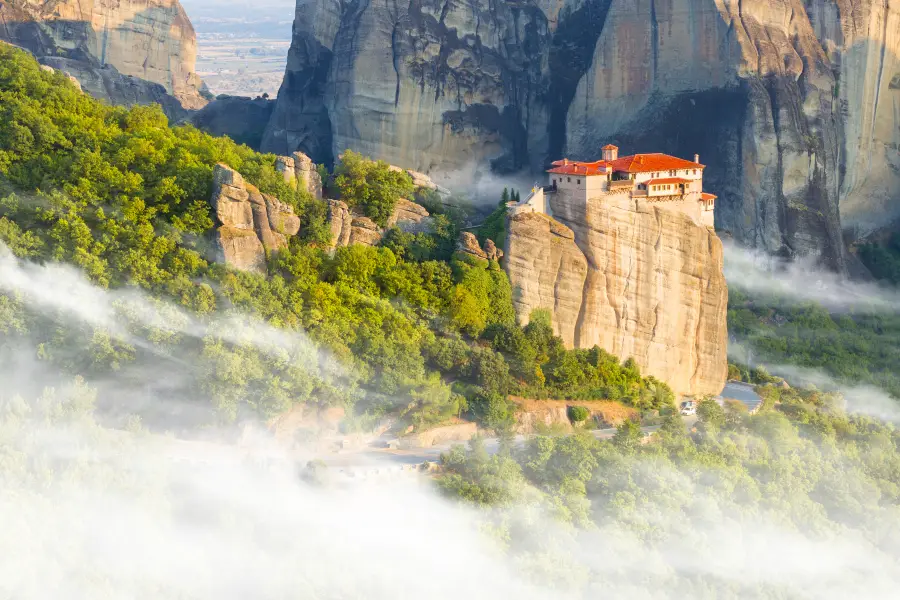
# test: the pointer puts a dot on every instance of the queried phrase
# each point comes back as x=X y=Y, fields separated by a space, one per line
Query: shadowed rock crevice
x=570 y=54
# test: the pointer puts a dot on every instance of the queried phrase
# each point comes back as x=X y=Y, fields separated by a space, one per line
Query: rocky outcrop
x=151 y=40
x=299 y=170
x=348 y=228
x=410 y=217
x=249 y=224
x=421 y=180
x=790 y=103
x=637 y=280
x=340 y=222
x=364 y=231
x=468 y=244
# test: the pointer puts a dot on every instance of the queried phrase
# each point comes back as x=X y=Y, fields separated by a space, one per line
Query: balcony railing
x=621 y=184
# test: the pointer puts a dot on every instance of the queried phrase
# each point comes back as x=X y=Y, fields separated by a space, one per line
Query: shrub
x=578 y=414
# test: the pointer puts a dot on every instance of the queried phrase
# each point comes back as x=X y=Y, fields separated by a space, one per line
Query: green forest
x=853 y=347
x=800 y=463
x=420 y=331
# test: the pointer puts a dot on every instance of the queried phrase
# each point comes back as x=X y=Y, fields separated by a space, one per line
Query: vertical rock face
x=790 y=103
x=637 y=280
x=776 y=167
x=861 y=40
x=250 y=223
x=152 y=40
x=431 y=85
x=340 y=222
x=299 y=170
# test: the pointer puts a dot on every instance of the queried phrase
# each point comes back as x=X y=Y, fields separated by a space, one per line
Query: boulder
x=468 y=244
x=340 y=222
x=241 y=249
x=492 y=251
x=282 y=218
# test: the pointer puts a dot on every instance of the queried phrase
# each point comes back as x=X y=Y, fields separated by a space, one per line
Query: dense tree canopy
x=422 y=333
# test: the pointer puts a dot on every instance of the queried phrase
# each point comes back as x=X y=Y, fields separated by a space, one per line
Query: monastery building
x=666 y=181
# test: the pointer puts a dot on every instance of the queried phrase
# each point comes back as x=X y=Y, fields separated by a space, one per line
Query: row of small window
x=568 y=180
x=661 y=188
x=673 y=172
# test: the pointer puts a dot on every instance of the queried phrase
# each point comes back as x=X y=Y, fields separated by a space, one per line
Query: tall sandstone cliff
x=106 y=43
x=791 y=103
x=637 y=280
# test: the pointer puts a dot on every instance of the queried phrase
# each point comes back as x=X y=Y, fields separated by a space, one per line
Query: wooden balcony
x=622 y=184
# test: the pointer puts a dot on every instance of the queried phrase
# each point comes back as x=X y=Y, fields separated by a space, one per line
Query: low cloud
x=480 y=185
x=801 y=280
x=60 y=290
x=94 y=512
x=859 y=398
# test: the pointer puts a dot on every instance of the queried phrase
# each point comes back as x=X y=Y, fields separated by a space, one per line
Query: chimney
x=697 y=158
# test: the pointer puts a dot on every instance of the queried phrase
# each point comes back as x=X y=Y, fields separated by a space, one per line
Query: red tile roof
x=637 y=163
x=609 y=147
x=668 y=180
x=707 y=196
x=644 y=163
x=571 y=167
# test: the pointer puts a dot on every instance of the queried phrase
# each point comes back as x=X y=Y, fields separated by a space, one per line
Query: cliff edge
x=635 y=279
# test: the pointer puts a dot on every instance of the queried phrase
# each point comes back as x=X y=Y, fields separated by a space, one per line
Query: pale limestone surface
x=364 y=231
x=299 y=170
x=410 y=216
x=340 y=221
x=249 y=224
x=423 y=85
x=862 y=41
x=349 y=228
x=468 y=244
x=634 y=279
x=790 y=103
x=152 y=40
